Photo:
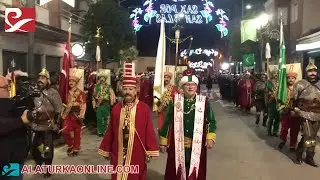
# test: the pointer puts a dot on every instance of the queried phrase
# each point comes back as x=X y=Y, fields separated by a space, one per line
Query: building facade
x=52 y=23
x=302 y=28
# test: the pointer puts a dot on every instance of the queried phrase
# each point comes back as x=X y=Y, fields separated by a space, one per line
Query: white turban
x=186 y=79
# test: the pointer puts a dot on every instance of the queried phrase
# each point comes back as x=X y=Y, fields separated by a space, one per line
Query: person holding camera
x=13 y=131
x=45 y=117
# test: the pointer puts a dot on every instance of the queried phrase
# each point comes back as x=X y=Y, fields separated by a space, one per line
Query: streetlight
x=248 y=6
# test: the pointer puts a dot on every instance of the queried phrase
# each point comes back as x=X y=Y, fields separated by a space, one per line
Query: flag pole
x=69 y=40
x=98 y=58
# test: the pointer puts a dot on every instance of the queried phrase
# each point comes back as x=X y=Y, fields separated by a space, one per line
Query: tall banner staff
x=98 y=51
x=158 y=87
x=268 y=57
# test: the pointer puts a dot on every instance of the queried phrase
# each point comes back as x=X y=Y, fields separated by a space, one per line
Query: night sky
x=204 y=35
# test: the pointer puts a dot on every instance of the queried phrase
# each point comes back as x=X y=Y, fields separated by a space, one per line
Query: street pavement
x=243 y=151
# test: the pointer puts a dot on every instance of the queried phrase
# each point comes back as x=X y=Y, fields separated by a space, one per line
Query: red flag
x=64 y=76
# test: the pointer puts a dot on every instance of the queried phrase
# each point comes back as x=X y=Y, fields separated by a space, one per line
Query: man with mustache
x=188 y=130
x=46 y=121
x=74 y=112
x=168 y=95
x=130 y=138
x=306 y=104
x=103 y=99
x=287 y=120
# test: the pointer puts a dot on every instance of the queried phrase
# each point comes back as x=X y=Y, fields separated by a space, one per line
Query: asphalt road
x=243 y=152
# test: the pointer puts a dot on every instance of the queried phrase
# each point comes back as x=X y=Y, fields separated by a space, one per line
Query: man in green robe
x=273 y=113
x=188 y=130
x=103 y=99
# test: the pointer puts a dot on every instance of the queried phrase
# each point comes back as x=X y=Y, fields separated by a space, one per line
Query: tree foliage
x=116 y=29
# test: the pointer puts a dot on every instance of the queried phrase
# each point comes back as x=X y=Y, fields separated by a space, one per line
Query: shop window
x=19 y=60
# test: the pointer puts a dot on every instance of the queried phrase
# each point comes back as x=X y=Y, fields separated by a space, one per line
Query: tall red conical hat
x=129 y=78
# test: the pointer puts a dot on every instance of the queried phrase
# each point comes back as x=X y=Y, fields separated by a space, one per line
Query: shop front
x=309 y=48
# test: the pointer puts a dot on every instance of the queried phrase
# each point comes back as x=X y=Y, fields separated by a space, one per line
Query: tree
x=116 y=29
x=130 y=53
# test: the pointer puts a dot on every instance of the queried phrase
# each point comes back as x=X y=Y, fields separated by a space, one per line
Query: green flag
x=248 y=60
x=282 y=94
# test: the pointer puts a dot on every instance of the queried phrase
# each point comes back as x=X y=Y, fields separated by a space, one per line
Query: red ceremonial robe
x=112 y=143
x=246 y=89
x=171 y=171
x=146 y=92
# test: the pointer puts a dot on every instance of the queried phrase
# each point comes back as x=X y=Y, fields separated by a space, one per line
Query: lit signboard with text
x=173 y=11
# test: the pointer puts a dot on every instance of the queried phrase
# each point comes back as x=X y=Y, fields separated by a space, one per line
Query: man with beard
x=306 y=103
x=287 y=120
x=187 y=132
x=74 y=112
x=103 y=99
x=259 y=94
x=130 y=139
x=246 y=87
x=46 y=121
x=273 y=113
x=168 y=95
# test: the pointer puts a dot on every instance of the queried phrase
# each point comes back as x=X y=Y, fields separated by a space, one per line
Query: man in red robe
x=146 y=91
x=168 y=95
x=288 y=121
x=246 y=88
x=130 y=138
x=74 y=113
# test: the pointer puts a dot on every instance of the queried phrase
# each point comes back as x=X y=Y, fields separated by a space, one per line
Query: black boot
x=69 y=151
x=299 y=152
x=47 y=175
x=292 y=150
x=257 y=119
x=265 y=118
x=280 y=146
x=309 y=159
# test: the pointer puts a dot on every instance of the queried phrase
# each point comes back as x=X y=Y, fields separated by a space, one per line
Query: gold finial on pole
x=98 y=35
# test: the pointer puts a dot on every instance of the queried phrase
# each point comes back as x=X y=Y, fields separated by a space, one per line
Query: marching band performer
x=168 y=95
x=74 y=112
x=287 y=120
x=246 y=86
x=259 y=94
x=130 y=138
x=146 y=90
x=46 y=121
x=273 y=113
x=188 y=130
x=103 y=99
x=306 y=103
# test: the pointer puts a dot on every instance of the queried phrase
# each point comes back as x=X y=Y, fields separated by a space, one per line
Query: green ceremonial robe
x=103 y=110
x=167 y=136
x=273 y=113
